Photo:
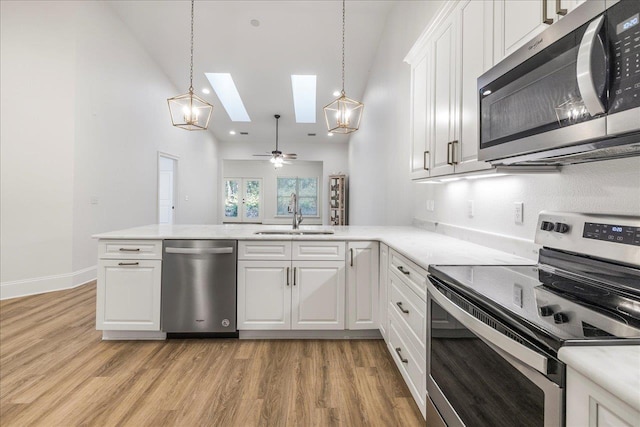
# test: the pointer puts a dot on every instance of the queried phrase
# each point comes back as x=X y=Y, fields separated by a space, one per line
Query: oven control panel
x=612 y=233
x=612 y=237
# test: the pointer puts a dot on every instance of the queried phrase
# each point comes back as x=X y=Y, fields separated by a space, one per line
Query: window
x=305 y=188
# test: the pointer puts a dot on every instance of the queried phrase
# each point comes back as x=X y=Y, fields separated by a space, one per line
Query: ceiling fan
x=277 y=157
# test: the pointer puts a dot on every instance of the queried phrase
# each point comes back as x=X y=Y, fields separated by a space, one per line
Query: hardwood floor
x=56 y=371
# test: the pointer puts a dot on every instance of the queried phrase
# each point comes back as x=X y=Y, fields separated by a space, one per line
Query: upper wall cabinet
x=463 y=41
x=518 y=21
x=446 y=62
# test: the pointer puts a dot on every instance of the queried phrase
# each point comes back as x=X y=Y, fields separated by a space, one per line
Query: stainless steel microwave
x=571 y=95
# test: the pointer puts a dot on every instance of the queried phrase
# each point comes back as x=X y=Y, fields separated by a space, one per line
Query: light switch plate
x=470 y=208
x=517 y=295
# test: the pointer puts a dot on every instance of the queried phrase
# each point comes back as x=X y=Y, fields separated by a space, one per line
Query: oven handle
x=583 y=68
x=527 y=356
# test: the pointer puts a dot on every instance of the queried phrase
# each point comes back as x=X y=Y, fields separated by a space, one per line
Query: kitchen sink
x=294 y=232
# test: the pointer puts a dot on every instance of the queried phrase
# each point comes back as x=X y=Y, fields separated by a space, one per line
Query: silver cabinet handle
x=402 y=309
x=288 y=276
x=449 y=153
x=454 y=158
x=402 y=270
x=128 y=263
x=583 y=68
x=545 y=20
x=199 y=251
x=129 y=250
x=294 y=276
x=402 y=359
x=424 y=161
x=559 y=10
x=351 y=254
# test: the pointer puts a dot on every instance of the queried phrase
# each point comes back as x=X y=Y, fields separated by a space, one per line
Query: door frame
x=176 y=199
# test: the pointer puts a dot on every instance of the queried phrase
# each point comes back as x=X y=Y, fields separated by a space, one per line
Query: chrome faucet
x=295 y=209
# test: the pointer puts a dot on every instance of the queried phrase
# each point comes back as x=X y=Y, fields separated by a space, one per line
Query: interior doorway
x=167 y=178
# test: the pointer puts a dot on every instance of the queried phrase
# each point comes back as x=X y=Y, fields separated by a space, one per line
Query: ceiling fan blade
x=290 y=156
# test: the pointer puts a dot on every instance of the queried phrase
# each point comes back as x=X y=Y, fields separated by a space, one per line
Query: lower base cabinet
x=283 y=295
x=588 y=404
x=129 y=286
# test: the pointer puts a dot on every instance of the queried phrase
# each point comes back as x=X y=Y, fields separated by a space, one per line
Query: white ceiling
x=294 y=37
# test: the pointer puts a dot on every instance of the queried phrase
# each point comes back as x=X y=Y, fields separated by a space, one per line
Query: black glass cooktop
x=558 y=307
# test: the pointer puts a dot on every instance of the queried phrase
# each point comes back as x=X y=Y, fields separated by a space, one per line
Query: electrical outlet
x=186 y=198
x=470 y=208
x=430 y=205
x=518 y=212
x=517 y=295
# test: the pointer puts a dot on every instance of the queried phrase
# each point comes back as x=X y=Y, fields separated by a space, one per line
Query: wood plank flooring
x=56 y=371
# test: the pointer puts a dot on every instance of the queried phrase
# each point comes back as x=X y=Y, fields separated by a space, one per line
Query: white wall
x=380 y=183
x=84 y=115
x=611 y=186
x=334 y=158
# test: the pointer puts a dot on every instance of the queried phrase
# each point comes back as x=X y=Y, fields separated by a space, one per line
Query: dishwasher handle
x=199 y=251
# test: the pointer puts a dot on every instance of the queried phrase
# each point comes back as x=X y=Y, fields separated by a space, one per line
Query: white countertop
x=614 y=368
x=422 y=247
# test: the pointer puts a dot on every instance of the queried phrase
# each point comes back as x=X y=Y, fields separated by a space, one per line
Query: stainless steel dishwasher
x=199 y=287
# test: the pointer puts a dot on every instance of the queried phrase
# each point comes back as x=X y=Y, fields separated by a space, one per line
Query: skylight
x=227 y=92
x=304 y=97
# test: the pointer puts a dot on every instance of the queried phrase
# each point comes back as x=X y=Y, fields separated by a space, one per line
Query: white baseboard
x=133 y=335
x=514 y=245
x=367 y=334
x=39 y=285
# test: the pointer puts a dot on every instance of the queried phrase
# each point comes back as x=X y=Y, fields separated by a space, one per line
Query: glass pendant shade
x=189 y=111
x=343 y=115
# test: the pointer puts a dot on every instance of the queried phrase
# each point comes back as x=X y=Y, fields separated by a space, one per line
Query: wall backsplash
x=611 y=186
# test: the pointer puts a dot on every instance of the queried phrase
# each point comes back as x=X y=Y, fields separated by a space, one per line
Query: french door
x=242 y=200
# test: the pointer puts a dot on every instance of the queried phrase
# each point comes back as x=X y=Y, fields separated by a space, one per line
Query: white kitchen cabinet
x=383 y=312
x=128 y=295
x=588 y=404
x=446 y=62
x=362 y=285
x=264 y=295
x=318 y=295
x=296 y=293
x=519 y=21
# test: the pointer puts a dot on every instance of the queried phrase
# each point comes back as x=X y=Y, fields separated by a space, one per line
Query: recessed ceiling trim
x=225 y=88
x=304 y=97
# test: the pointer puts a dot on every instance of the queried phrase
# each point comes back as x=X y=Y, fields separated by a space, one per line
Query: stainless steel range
x=495 y=331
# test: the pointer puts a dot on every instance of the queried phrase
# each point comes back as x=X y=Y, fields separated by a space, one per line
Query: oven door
x=555 y=97
x=480 y=377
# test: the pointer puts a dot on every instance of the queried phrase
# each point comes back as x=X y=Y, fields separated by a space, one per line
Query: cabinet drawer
x=410 y=309
x=264 y=250
x=318 y=251
x=411 y=365
x=130 y=249
x=410 y=273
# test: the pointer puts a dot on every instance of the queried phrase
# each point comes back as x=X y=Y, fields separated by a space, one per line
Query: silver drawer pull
x=128 y=263
x=402 y=309
x=129 y=250
x=402 y=359
x=402 y=270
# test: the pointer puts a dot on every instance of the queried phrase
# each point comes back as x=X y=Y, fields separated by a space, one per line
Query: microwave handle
x=583 y=68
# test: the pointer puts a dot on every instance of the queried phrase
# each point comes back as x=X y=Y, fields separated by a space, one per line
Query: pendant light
x=343 y=114
x=189 y=111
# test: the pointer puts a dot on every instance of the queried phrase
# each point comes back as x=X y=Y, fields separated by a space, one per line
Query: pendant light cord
x=191 y=70
x=343 y=2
